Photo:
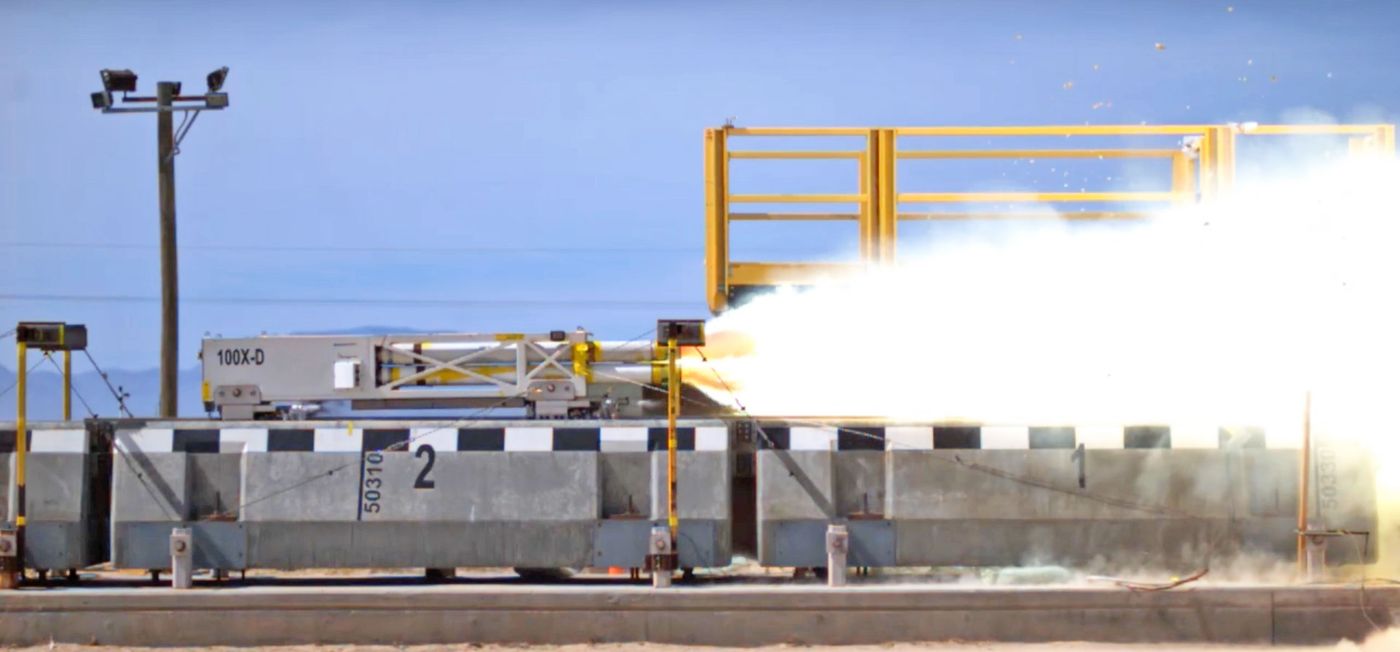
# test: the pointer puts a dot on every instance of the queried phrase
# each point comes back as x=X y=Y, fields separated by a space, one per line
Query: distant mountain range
x=45 y=391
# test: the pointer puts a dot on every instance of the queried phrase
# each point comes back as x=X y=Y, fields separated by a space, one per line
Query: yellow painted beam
x=21 y=440
x=67 y=385
x=1206 y=161
x=869 y=185
x=886 y=224
x=978 y=197
x=795 y=131
x=1307 y=130
x=716 y=219
x=1036 y=153
x=1208 y=175
x=796 y=198
x=786 y=273
x=673 y=412
x=793 y=217
x=794 y=155
x=1056 y=130
x=932 y=216
x=1385 y=135
x=1183 y=179
x=1224 y=160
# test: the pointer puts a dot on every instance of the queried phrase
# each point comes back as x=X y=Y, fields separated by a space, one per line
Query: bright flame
x=1224 y=314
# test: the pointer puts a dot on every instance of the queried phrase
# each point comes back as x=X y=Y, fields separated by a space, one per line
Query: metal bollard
x=181 y=558
x=662 y=561
x=10 y=568
x=837 y=544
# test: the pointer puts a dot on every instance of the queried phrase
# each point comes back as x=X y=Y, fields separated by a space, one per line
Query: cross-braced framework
x=1201 y=167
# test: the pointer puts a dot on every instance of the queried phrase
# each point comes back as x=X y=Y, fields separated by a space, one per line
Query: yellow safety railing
x=1202 y=168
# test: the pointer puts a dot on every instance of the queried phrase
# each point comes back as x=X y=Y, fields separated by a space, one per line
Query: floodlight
x=216 y=100
x=175 y=88
x=118 y=80
x=101 y=100
x=216 y=79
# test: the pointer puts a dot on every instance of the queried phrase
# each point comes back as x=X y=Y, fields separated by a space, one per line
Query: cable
x=16 y=383
x=734 y=395
x=1211 y=545
x=72 y=387
x=82 y=400
x=186 y=123
x=121 y=396
x=611 y=304
x=7 y=333
x=1149 y=587
x=1361 y=595
x=1030 y=482
x=460 y=423
x=506 y=250
x=638 y=337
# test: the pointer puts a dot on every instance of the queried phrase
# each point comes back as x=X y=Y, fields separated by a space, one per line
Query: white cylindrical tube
x=399 y=352
x=603 y=373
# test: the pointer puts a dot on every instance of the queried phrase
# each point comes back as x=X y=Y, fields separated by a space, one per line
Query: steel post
x=14 y=573
x=67 y=385
x=1316 y=554
x=181 y=558
x=661 y=555
x=716 y=219
x=837 y=545
x=886 y=218
x=673 y=411
x=1183 y=182
x=1304 y=462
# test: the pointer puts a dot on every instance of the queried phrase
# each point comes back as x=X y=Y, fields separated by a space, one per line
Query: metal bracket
x=182 y=131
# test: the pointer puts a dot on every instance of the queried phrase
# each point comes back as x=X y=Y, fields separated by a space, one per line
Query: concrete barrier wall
x=62 y=531
x=967 y=495
x=415 y=494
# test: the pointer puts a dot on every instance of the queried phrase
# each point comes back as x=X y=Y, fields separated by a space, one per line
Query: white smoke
x=1212 y=315
x=1224 y=313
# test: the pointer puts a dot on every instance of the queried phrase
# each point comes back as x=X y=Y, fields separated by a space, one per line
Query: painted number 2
x=423 y=482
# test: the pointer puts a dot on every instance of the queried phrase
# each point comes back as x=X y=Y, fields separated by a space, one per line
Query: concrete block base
x=728 y=616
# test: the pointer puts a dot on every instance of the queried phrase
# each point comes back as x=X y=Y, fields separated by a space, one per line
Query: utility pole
x=169 y=266
x=167 y=101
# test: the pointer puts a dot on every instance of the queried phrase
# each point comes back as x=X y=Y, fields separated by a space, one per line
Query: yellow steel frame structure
x=1203 y=176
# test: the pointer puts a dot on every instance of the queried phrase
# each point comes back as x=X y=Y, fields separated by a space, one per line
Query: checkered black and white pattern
x=980 y=437
x=482 y=439
x=47 y=440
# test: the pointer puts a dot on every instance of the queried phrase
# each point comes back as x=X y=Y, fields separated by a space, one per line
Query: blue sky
x=536 y=165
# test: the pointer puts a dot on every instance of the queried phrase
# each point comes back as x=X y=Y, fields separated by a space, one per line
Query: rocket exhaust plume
x=1202 y=312
x=1214 y=315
